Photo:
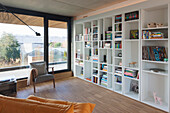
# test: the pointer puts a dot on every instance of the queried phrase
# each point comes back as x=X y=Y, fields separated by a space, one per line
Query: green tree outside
x=9 y=48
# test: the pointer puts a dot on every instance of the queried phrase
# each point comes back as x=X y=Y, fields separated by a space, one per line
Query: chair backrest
x=40 y=66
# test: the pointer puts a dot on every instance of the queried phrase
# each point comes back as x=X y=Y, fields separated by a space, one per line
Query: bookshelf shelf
x=118 y=57
x=156 y=28
x=151 y=102
x=131 y=40
x=118 y=83
x=118 y=46
x=156 y=73
x=118 y=74
x=131 y=78
x=164 y=39
x=131 y=21
x=132 y=95
x=157 y=62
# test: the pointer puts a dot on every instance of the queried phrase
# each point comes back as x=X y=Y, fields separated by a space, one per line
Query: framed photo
x=134 y=34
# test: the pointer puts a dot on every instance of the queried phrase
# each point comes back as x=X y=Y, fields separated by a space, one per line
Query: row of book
x=95 y=51
x=87 y=30
x=79 y=37
x=118 y=45
x=118 y=27
x=152 y=35
x=154 y=53
x=131 y=73
x=95 y=79
x=87 y=37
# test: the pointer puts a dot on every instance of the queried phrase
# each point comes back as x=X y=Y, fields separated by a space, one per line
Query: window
x=19 y=46
x=58 y=45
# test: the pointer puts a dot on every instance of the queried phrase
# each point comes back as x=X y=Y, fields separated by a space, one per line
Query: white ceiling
x=61 y=7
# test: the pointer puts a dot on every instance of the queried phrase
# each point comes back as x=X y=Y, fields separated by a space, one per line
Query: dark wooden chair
x=39 y=73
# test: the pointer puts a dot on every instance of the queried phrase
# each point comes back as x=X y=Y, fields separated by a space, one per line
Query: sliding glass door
x=57 y=45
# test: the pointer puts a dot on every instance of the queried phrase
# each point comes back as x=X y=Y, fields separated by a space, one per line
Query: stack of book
x=118 y=18
x=108 y=35
x=131 y=73
x=152 y=35
x=104 y=80
x=154 y=53
x=104 y=67
x=118 y=71
x=95 y=58
x=118 y=35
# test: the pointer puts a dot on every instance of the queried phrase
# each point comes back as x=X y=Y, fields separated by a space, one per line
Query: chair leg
x=34 y=87
x=54 y=83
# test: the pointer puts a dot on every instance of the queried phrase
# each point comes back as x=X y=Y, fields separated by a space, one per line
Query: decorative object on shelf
x=134 y=86
x=156 y=70
x=120 y=63
x=151 y=25
x=132 y=64
x=165 y=59
x=87 y=57
x=104 y=58
x=159 y=25
x=132 y=16
x=157 y=99
x=119 y=54
x=134 y=34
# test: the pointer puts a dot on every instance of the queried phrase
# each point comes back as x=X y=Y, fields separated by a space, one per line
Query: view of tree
x=9 y=48
x=56 y=45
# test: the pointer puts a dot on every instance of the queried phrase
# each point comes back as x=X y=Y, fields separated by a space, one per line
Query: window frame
x=46 y=17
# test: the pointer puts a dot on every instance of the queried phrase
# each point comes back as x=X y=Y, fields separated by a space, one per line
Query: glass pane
x=57 y=45
x=19 y=46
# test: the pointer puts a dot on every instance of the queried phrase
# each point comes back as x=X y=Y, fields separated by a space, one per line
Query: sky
x=24 y=30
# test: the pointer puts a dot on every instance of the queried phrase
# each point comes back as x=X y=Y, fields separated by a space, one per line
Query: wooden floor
x=77 y=90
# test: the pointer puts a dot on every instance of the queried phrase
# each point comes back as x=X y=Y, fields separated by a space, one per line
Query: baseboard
x=63 y=75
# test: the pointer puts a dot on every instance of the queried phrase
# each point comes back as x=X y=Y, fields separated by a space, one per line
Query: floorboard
x=77 y=90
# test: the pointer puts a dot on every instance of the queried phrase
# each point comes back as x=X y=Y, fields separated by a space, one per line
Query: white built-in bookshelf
x=122 y=53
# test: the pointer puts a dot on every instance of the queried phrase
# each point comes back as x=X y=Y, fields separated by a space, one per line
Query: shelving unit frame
x=143 y=73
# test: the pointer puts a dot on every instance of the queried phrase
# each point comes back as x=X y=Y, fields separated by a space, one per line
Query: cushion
x=14 y=105
x=78 y=107
x=43 y=78
x=40 y=66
